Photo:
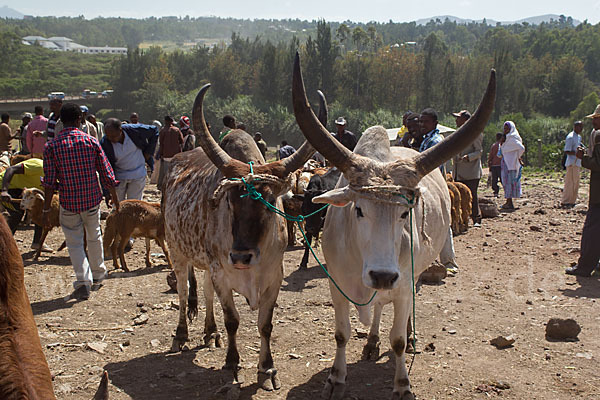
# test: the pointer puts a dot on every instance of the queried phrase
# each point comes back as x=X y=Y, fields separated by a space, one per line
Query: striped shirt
x=71 y=161
x=50 y=128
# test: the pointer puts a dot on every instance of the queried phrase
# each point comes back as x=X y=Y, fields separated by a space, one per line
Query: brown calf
x=135 y=218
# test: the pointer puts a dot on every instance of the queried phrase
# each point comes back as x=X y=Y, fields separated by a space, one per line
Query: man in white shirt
x=573 y=165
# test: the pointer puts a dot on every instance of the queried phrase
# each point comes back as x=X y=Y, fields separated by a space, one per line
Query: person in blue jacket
x=128 y=148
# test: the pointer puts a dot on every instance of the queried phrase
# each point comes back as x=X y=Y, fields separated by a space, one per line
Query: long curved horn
x=323 y=111
x=466 y=134
x=216 y=154
x=312 y=129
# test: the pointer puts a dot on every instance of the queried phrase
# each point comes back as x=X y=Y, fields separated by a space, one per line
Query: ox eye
x=404 y=214
x=359 y=212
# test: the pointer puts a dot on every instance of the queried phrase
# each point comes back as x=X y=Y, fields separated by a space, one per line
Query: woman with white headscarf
x=511 y=151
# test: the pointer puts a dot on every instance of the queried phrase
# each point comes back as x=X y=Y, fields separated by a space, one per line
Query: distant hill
x=6 y=12
x=531 y=20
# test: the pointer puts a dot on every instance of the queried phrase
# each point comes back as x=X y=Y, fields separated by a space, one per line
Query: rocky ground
x=511 y=282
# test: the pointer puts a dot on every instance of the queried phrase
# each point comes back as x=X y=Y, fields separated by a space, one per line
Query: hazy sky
x=331 y=10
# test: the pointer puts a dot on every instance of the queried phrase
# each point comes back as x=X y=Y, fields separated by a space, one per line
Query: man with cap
x=344 y=136
x=87 y=126
x=128 y=148
x=466 y=166
x=22 y=133
x=262 y=145
x=35 y=133
x=189 y=139
x=573 y=166
x=590 y=251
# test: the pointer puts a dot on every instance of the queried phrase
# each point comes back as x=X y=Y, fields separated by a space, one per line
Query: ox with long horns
x=373 y=200
x=212 y=224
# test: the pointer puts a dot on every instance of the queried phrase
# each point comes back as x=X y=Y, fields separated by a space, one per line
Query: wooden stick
x=112 y=328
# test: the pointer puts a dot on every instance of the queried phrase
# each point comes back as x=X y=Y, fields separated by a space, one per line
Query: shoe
x=98 y=283
x=81 y=293
x=477 y=225
x=575 y=271
x=45 y=248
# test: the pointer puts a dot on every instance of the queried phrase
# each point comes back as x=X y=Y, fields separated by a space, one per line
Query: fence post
x=540 y=156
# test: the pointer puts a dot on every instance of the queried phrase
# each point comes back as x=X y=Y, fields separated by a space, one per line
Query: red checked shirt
x=71 y=161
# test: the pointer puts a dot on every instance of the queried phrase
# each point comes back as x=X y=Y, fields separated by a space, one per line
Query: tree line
x=371 y=73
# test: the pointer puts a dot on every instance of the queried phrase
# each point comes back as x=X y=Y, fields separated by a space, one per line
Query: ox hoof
x=149 y=264
x=408 y=395
x=268 y=380
x=371 y=351
x=333 y=390
x=177 y=345
x=213 y=340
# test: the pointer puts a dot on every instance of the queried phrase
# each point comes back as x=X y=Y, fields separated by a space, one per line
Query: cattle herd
x=391 y=206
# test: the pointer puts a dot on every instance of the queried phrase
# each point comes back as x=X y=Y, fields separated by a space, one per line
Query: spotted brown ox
x=211 y=224
x=24 y=372
x=383 y=197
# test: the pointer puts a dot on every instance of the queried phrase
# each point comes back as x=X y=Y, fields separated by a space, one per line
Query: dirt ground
x=511 y=282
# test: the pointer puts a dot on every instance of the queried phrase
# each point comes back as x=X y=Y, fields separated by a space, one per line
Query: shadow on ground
x=297 y=280
x=365 y=380
x=179 y=375
x=588 y=287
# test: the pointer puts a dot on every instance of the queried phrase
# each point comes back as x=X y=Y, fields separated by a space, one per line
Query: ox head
x=252 y=223
x=380 y=194
x=30 y=197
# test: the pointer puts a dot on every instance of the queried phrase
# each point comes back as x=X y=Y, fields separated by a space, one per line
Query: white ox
x=366 y=238
x=211 y=224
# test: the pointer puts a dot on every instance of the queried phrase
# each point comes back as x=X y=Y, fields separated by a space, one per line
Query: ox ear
x=336 y=197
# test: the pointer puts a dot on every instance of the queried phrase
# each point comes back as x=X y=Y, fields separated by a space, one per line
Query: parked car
x=56 y=95
x=107 y=93
x=87 y=93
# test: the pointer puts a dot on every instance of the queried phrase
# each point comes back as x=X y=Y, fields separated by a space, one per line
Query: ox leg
x=211 y=337
x=122 y=244
x=291 y=234
x=148 y=263
x=232 y=321
x=398 y=338
x=304 y=262
x=181 y=334
x=42 y=240
x=267 y=374
x=371 y=349
x=335 y=386
x=113 y=251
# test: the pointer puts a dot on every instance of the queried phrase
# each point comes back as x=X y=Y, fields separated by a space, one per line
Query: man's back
x=72 y=159
x=348 y=139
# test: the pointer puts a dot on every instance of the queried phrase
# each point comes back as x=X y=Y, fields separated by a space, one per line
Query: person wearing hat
x=128 y=148
x=189 y=142
x=344 y=136
x=596 y=128
x=573 y=166
x=34 y=136
x=466 y=166
x=589 y=254
x=262 y=145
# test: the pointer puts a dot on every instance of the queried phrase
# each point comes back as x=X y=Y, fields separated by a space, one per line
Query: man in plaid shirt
x=71 y=161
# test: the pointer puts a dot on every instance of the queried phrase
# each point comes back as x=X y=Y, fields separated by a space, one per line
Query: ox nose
x=241 y=257
x=383 y=279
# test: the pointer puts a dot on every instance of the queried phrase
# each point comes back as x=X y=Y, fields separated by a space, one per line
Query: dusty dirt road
x=510 y=282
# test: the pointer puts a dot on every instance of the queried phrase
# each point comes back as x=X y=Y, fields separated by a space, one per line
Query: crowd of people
x=70 y=149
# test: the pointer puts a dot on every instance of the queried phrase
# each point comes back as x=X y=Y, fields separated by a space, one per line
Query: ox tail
x=192 y=311
x=102 y=392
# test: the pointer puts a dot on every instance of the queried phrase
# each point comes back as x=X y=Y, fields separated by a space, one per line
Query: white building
x=61 y=43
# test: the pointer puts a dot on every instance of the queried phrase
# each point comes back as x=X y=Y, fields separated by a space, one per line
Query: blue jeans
x=87 y=269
